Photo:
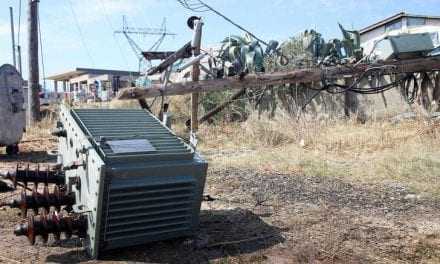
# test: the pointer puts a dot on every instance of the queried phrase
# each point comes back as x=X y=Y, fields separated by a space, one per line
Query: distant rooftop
x=81 y=71
x=393 y=18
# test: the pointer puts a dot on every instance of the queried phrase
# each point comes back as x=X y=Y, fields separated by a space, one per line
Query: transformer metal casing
x=405 y=46
x=137 y=182
x=12 y=111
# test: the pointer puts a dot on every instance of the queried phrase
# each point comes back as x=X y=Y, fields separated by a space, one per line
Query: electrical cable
x=371 y=52
x=104 y=10
x=203 y=7
x=196 y=7
x=80 y=33
x=337 y=88
x=405 y=82
x=41 y=54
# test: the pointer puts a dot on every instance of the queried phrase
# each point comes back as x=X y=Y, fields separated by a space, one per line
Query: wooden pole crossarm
x=278 y=78
x=222 y=106
x=184 y=52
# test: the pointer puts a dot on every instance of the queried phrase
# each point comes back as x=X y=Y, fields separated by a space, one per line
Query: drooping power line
x=114 y=37
x=200 y=6
x=83 y=42
x=41 y=54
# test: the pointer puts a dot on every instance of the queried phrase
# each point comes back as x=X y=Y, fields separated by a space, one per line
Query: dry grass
x=40 y=130
x=407 y=153
x=323 y=221
x=379 y=152
x=38 y=138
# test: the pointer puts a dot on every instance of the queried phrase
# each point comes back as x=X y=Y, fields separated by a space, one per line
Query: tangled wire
x=410 y=88
x=408 y=84
x=335 y=88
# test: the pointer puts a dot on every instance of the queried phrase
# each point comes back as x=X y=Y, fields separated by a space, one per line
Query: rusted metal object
x=52 y=223
x=36 y=176
x=46 y=199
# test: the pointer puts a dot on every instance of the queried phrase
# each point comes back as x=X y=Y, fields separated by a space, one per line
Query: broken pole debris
x=278 y=78
x=222 y=106
x=196 y=44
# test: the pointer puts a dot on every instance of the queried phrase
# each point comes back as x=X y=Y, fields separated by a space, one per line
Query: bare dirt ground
x=267 y=216
x=276 y=218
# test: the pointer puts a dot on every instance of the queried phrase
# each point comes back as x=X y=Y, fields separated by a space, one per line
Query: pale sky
x=93 y=44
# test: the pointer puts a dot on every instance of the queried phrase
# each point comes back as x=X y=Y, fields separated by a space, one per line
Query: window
x=394 y=25
x=416 y=21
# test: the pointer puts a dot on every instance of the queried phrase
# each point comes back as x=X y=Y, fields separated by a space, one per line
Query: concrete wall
x=362 y=107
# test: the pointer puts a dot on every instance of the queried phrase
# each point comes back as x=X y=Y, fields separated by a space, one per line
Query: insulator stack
x=58 y=198
x=52 y=223
x=36 y=176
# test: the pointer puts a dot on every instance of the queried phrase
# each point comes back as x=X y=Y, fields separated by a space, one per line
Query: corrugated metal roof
x=106 y=125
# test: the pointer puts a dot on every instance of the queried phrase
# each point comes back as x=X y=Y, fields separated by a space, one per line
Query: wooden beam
x=278 y=78
x=184 y=52
x=195 y=74
x=144 y=105
x=222 y=106
x=157 y=55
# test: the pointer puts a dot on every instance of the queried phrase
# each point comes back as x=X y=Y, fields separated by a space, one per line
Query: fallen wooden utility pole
x=278 y=78
x=222 y=106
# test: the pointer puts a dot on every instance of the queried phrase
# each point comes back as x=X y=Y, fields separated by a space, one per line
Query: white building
x=83 y=81
x=401 y=23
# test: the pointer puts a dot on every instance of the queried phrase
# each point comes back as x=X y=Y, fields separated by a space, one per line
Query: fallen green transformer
x=134 y=180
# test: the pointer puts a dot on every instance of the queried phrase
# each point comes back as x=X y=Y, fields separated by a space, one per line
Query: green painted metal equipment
x=404 y=46
x=133 y=178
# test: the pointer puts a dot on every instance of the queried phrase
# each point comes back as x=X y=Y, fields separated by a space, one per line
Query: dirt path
x=269 y=218
x=331 y=221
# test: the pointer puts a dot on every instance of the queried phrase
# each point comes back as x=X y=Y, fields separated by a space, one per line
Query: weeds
x=376 y=152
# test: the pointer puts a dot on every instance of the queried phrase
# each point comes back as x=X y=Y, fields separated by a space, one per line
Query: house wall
x=369 y=38
x=81 y=86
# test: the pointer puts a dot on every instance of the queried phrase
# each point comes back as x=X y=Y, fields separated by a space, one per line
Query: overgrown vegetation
x=377 y=152
x=331 y=191
x=247 y=54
